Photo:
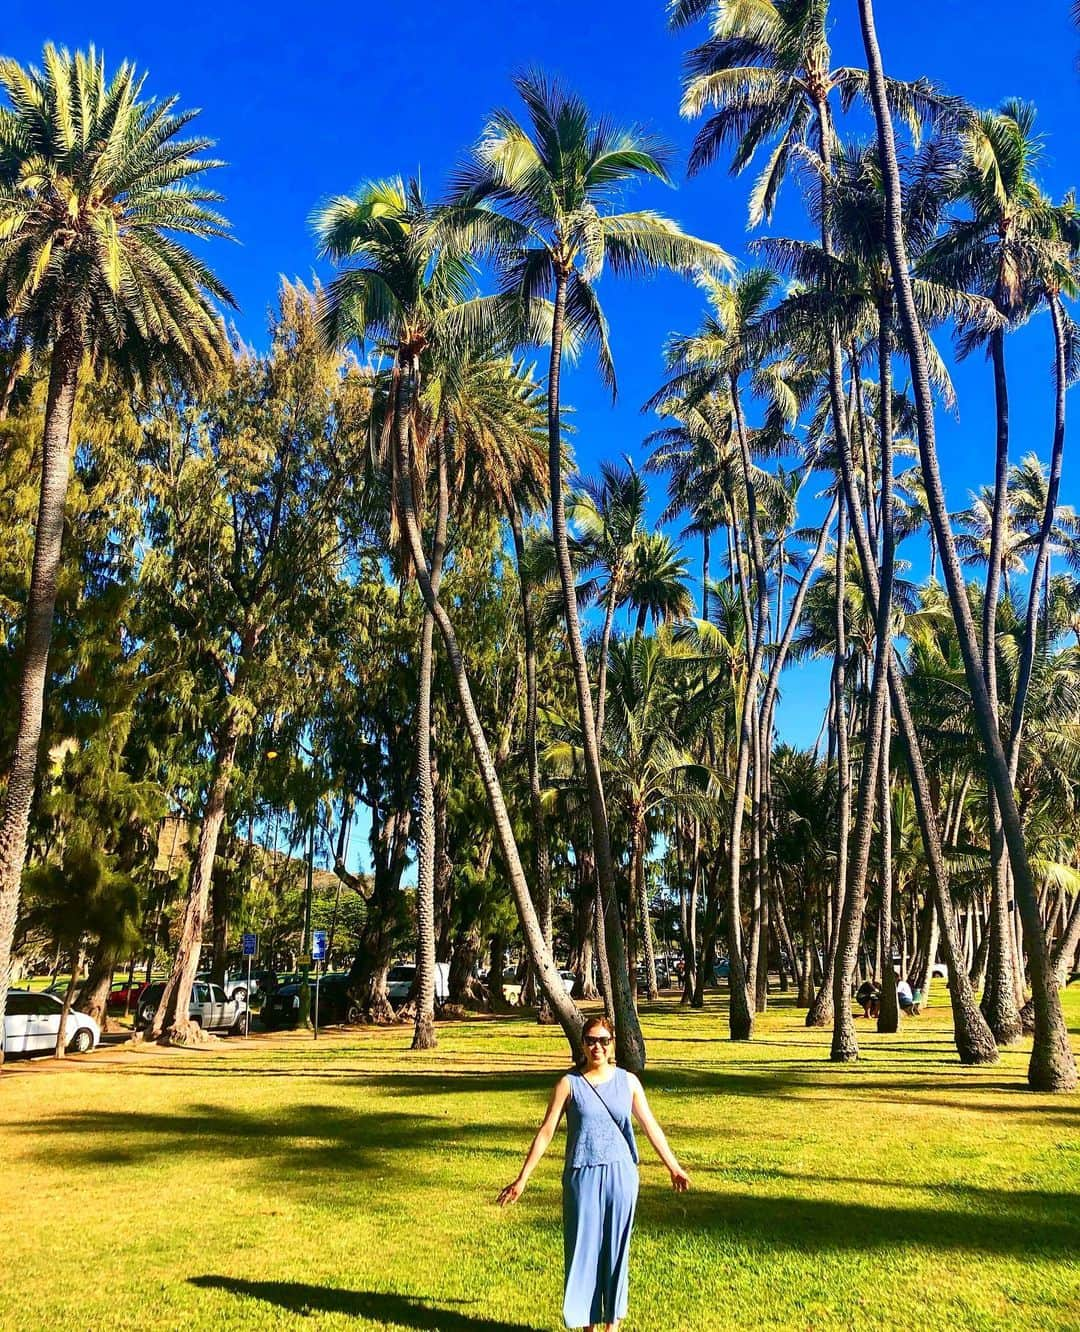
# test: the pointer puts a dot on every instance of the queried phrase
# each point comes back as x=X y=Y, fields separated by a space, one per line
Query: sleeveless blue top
x=598 y=1122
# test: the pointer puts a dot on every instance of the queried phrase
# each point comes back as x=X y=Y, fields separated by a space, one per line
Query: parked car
x=663 y=979
x=235 y=984
x=568 y=978
x=209 y=1006
x=32 y=1021
x=400 y=977
x=722 y=969
x=282 y=1008
x=125 y=996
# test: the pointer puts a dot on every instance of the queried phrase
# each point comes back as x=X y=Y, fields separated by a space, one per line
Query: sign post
x=249 y=945
x=318 y=954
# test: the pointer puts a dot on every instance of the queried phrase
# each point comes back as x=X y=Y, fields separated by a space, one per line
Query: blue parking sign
x=318 y=945
x=249 y=944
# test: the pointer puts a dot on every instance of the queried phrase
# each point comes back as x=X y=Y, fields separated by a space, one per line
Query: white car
x=32 y=1021
x=399 y=982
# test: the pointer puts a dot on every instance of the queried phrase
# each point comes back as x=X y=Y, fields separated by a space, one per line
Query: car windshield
x=401 y=973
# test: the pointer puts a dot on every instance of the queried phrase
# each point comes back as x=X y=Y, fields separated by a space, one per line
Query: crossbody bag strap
x=622 y=1132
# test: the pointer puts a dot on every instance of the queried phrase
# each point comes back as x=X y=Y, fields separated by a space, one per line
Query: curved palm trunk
x=540 y=955
x=424 y=1037
x=37 y=637
x=541 y=861
x=1041 y=568
x=1067 y=944
x=741 y=1017
x=630 y=1047
x=1052 y=1066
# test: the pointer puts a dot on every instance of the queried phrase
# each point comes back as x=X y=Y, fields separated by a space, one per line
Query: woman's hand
x=511 y=1193
x=680 y=1180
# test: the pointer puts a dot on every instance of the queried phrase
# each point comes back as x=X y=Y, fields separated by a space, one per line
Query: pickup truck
x=210 y=1007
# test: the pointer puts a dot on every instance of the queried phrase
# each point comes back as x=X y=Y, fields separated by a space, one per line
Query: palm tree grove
x=540 y=546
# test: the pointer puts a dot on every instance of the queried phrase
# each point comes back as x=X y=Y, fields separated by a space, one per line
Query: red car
x=122 y=996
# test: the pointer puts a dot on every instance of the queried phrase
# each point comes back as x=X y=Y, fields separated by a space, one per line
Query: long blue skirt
x=598 y=1215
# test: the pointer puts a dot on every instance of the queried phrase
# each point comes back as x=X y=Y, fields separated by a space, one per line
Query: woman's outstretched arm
x=540 y=1143
x=680 y=1180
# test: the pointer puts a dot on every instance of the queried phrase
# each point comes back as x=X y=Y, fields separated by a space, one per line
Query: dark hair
x=600 y=1020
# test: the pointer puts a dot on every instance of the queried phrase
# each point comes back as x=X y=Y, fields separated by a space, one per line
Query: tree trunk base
x=819 y=1014
x=424 y=1037
x=381 y=1012
x=845 y=1045
x=976 y=1047
x=1027 y=1019
x=1053 y=1065
x=544 y=1016
x=186 y=1034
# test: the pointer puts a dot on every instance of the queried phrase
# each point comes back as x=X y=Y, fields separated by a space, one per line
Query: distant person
x=600 y=1177
x=905 y=997
x=868 y=995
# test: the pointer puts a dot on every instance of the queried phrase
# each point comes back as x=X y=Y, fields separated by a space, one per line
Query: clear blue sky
x=307 y=100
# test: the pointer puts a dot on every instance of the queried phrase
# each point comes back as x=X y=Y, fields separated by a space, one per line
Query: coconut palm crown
x=541 y=199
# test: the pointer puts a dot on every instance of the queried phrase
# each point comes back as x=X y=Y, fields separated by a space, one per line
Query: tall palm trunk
x=1052 y=1066
x=741 y=1015
x=171 y=1024
x=844 y=1043
x=630 y=1047
x=639 y=898
x=37 y=637
x=541 y=860
x=602 y=663
x=889 y=1011
x=424 y=1037
x=999 y=1003
x=974 y=1043
x=820 y=1012
x=540 y=955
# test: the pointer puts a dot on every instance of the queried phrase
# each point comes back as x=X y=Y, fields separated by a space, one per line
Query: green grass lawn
x=279 y=1183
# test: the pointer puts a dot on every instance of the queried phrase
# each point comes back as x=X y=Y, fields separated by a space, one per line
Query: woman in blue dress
x=600 y=1178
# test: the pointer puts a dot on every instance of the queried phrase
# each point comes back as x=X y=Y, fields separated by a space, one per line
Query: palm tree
x=539 y=198
x=766 y=75
x=96 y=186
x=697 y=455
x=399 y=287
x=630 y=566
x=1052 y=1065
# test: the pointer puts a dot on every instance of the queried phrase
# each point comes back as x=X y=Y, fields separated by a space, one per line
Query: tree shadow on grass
x=1024 y=1224
x=302 y=1143
x=418 y=1312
